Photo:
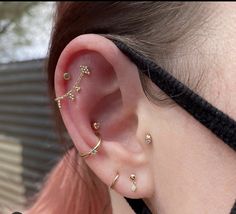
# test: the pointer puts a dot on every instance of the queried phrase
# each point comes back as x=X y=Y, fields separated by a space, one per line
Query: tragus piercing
x=84 y=70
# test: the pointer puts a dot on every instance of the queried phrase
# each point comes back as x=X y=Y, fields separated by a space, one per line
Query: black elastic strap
x=233 y=211
x=138 y=206
x=215 y=120
x=218 y=122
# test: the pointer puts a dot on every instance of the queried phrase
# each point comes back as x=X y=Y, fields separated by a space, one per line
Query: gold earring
x=148 y=138
x=115 y=180
x=66 y=76
x=96 y=126
x=84 y=69
x=76 y=88
x=134 y=184
x=94 y=150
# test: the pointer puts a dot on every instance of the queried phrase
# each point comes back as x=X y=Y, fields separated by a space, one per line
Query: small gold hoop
x=92 y=151
x=114 y=181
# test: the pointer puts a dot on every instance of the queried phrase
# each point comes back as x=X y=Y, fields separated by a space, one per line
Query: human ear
x=112 y=95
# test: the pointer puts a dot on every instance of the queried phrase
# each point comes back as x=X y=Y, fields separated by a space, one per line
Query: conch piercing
x=84 y=70
x=96 y=126
x=115 y=180
x=94 y=150
x=148 y=138
x=133 y=180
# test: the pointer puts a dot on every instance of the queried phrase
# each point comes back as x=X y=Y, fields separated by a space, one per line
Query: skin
x=185 y=170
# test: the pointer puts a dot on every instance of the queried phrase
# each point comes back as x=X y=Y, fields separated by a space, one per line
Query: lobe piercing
x=115 y=180
x=148 y=138
x=134 y=184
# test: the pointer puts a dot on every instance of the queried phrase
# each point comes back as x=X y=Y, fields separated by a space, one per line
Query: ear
x=113 y=96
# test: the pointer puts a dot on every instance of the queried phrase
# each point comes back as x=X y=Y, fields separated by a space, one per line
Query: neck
x=200 y=181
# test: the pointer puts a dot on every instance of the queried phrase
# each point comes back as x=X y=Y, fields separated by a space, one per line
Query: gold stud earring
x=148 y=138
x=134 y=184
x=96 y=126
x=66 y=76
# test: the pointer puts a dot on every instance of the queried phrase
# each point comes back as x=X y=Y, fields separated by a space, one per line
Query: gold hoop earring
x=115 y=180
x=71 y=94
x=93 y=151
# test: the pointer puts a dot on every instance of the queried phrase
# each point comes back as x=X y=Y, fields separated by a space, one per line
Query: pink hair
x=68 y=190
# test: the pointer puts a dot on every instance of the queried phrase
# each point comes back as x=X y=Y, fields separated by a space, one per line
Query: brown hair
x=159 y=30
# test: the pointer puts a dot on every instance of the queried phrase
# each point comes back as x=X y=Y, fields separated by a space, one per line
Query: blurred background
x=29 y=147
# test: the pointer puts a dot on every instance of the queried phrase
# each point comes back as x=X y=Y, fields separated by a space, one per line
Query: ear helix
x=84 y=70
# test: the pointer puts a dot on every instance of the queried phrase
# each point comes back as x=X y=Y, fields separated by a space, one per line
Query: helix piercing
x=84 y=70
x=134 y=184
x=115 y=180
x=66 y=76
x=148 y=138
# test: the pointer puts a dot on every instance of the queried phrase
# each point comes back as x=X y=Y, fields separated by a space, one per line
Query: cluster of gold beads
x=71 y=94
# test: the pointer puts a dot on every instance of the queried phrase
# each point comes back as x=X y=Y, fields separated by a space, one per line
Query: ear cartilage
x=71 y=94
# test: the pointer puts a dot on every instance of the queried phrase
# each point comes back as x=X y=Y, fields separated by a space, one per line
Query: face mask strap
x=212 y=118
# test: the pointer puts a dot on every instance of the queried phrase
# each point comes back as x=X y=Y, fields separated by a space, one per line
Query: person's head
x=195 y=42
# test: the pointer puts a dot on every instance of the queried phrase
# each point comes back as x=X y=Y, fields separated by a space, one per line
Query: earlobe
x=98 y=88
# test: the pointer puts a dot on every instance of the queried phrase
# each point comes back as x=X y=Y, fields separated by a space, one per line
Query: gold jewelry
x=76 y=88
x=148 y=138
x=96 y=126
x=115 y=180
x=133 y=180
x=66 y=76
x=92 y=151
